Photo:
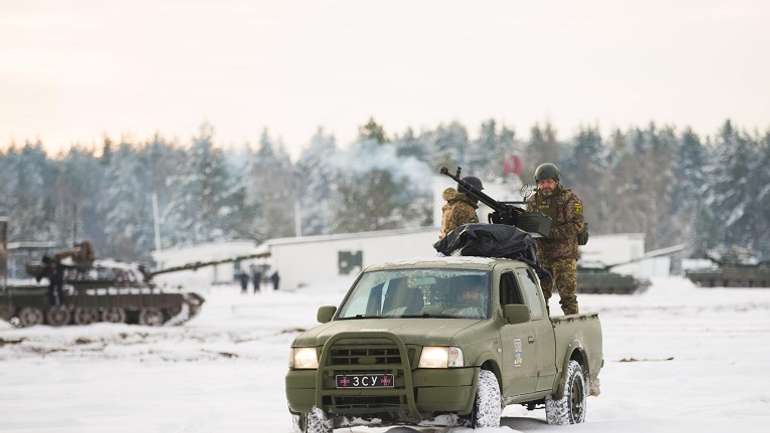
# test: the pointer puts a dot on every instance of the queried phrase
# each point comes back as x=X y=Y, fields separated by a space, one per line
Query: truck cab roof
x=462 y=262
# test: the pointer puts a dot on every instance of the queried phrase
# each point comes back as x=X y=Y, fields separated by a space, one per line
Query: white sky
x=71 y=71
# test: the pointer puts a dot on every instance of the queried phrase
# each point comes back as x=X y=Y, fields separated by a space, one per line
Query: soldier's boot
x=566 y=282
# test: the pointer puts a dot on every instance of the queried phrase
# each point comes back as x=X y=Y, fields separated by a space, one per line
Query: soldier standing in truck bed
x=559 y=252
x=459 y=208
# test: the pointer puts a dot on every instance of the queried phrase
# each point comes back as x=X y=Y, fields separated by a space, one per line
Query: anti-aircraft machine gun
x=509 y=213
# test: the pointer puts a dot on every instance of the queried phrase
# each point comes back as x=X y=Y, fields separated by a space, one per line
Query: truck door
x=519 y=357
x=543 y=343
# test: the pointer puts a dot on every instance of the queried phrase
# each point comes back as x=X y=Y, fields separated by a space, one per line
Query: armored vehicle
x=73 y=288
x=732 y=270
x=597 y=277
x=105 y=291
x=443 y=341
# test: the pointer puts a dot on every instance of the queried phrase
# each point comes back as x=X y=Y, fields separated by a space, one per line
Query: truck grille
x=365 y=356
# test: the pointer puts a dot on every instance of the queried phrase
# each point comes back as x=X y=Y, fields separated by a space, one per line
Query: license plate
x=364 y=381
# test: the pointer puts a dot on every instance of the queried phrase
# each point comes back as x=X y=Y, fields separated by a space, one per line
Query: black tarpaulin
x=491 y=240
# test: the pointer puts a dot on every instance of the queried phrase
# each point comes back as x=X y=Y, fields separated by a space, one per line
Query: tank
x=597 y=277
x=738 y=268
x=73 y=288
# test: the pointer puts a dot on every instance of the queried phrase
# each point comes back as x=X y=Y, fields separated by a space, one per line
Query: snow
x=695 y=361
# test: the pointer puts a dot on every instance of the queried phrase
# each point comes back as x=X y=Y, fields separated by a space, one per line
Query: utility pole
x=74 y=223
x=156 y=220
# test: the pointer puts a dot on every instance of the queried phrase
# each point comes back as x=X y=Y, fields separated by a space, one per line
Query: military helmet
x=545 y=171
x=473 y=181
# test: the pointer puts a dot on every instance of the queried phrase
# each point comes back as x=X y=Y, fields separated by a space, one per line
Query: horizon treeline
x=675 y=186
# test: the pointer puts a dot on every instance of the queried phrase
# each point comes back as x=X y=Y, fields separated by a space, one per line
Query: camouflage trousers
x=564 y=279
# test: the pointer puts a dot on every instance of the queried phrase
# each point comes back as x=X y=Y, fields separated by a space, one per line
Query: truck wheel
x=488 y=407
x=316 y=422
x=30 y=316
x=571 y=408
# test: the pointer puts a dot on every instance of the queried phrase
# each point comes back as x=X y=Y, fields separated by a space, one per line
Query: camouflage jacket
x=566 y=212
x=458 y=210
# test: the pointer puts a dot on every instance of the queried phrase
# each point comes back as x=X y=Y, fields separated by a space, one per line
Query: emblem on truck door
x=518 y=359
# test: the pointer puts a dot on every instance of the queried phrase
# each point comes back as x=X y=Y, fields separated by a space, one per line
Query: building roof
x=346 y=236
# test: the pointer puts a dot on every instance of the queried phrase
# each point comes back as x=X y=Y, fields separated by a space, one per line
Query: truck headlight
x=441 y=357
x=303 y=358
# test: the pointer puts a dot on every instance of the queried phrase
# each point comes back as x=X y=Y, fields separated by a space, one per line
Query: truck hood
x=418 y=331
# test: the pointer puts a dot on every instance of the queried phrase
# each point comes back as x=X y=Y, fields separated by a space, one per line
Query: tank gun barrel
x=197 y=265
x=654 y=253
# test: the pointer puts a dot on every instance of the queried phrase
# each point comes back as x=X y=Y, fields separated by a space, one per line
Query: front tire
x=488 y=408
x=315 y=422
x=571 y=408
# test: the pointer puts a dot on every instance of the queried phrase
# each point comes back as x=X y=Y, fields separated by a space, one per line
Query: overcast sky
x=71 y=71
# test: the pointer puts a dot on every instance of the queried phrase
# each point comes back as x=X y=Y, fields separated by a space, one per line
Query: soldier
x=559 y=252
x=459 y=208
x=256 y=277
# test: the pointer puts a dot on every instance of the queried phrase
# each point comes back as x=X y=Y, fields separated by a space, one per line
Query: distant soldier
x=459 y=208
x=256 y=277
x=80 y=256
x=243 y=278
x=275 y=279
x=559 y=252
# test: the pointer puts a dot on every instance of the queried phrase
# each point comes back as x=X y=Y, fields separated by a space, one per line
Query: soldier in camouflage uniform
x=459 y=208
x=559 y=252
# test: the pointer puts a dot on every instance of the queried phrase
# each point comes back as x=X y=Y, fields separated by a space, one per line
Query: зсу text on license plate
x=364 y=381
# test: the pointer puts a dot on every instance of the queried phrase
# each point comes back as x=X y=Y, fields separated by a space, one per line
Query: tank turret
x=598 y=277
x=736 y=268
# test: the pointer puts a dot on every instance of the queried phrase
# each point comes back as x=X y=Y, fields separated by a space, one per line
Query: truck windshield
x=425 y=293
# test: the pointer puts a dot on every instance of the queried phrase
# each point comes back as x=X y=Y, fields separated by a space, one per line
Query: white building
x=312 y=259
x=300 y=260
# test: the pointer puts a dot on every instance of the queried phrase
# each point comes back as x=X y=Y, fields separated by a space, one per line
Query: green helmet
x=547 y=171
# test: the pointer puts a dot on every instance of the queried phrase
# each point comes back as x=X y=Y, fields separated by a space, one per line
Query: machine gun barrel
x=495 y=205
x=504 y=212
x=197 y=265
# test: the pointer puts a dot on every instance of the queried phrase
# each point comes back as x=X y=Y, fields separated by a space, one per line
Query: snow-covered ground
x=678 y=358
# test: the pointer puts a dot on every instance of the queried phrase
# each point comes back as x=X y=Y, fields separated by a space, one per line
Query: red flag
x=513 y=165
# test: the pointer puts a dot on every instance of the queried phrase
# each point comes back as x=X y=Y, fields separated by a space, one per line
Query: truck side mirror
x=516 y=313
x=325 y=313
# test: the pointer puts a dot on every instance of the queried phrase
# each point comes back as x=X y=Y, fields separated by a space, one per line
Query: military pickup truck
x=443 y=341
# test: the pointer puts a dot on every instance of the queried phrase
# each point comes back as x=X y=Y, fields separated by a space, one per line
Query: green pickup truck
x=443 y=341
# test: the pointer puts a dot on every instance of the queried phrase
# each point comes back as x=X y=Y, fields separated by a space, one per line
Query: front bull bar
x=325 y=370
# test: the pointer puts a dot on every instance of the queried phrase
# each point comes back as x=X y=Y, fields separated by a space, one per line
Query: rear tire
x=488 y=408
x=30 y=316
x=571 y=408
